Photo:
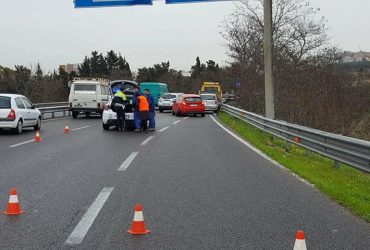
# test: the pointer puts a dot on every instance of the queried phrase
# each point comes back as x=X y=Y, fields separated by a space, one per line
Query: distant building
x=70 y=67
x=186 y=73
x=356 y=56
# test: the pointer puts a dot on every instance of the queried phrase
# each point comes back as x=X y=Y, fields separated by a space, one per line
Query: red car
x=188 y=104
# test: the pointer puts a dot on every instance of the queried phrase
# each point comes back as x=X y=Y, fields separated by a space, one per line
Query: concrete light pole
x=269 y=84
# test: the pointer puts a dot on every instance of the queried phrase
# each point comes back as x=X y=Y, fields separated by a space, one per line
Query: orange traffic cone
x=138 y=225
x=300 y=242
x=37 y=136
x=13 y=205
x=66 y=129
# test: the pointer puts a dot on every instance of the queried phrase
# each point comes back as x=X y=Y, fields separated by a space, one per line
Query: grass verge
x=347 y=186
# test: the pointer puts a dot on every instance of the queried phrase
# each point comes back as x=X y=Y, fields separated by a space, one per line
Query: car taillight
x=183 y=103
x=70 y=105
x=11 y=115
x=98 y=105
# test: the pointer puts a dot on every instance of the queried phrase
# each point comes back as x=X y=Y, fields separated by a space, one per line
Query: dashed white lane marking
x=176 y=121
x=75 y=129
x=185 y=118
x=260 y=152
x=128 y=161
x=21 y=143
x=163 y=129
x=80 y=231
x=147 y=140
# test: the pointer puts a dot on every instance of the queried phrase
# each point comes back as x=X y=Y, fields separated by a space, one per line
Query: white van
x=89 y=95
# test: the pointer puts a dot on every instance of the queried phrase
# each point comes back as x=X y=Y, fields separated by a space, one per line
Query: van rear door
x=84 y=96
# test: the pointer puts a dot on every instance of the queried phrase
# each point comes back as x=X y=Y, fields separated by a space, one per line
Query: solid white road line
x=87 y=220
x=259 y=152
x=163 y=129
x=21 y=143
x=75 y=129
x=147 y=140
x=176 y=121
x=185 y=118
x=128 y=161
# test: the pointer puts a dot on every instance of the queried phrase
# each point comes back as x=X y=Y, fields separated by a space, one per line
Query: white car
x=211 y=102
x=165 y=102
x=17 y=112
x=109 y=117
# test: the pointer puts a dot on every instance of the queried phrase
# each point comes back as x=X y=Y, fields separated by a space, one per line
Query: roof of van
x=88 y=80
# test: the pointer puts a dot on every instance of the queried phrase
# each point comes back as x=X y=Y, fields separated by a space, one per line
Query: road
x=200 y=189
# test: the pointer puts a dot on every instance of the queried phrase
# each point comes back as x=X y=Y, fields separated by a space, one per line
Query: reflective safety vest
x=121 y=94
x=143 y=103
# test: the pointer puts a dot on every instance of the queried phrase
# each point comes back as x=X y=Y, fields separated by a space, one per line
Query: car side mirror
x=33 y=106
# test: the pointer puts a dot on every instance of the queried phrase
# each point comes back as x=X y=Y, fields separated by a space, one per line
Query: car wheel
x=106 y=126
x=203 y=115
x=74 y=114
x=173 y=113
x=38 y=124
x=160 y=110
x=87 y=114
x=178 y=113
x=19 y=128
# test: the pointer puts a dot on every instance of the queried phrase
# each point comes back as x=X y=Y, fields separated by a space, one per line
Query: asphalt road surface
x=200 y=188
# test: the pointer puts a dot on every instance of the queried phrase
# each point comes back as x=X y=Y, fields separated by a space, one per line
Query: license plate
x=128 y=117
x=193 y=105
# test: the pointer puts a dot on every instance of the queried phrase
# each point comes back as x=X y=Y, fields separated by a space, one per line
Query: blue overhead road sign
x=192 y=1
x=107 y=3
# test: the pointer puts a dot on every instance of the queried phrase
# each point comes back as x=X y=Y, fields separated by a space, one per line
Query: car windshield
x=5 y=102
x=168 y=96
x=208 y=97
x=211 y=89
x=85 y=89
x=193 y=99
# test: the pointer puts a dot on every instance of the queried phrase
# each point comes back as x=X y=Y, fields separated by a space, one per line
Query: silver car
x=165 y=102
x=17 y=112
x=211 y=102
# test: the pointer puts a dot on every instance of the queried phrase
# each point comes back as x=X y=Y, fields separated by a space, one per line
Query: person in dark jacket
x=118 y=105
x=135 y=104
x=151 y=110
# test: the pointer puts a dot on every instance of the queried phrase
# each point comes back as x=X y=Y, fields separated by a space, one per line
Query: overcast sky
x=52 y=32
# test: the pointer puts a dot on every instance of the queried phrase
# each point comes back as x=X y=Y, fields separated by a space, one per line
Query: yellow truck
x=211 y=88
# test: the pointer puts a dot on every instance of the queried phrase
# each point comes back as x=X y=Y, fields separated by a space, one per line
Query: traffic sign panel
x=192 y=1
x=107 y=3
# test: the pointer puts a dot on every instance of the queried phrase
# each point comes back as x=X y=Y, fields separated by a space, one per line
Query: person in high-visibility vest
x=144 y=111
x=118 y=105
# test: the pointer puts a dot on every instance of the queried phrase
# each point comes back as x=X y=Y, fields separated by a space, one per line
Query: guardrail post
x=336 y=164
x=288 y=146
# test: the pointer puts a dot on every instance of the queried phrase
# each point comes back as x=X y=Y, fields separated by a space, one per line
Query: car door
x=175 y=106
x=21 y=109
x=31 y=118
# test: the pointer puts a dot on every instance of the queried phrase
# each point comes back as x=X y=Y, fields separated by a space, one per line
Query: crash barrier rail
x=53 y=110
x=342 y=149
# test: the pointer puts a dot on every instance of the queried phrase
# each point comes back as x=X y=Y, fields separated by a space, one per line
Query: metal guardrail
x=342 y=149
x=53 y=110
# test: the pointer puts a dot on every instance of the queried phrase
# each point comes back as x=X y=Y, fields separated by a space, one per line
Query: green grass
x=347 y=186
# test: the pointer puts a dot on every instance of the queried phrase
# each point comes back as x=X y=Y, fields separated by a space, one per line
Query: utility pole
x=269 y=84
